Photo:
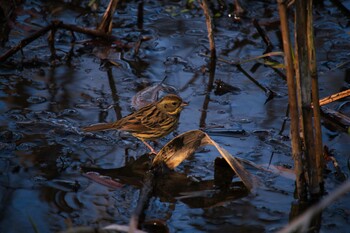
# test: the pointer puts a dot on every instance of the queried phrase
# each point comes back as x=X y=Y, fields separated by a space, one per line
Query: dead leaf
x=150 y=94
x=184 y=145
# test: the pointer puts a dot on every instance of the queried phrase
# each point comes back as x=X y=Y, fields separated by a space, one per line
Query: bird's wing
x=139 y=121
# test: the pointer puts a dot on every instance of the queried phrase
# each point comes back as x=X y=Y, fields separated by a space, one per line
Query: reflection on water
x=44 y=154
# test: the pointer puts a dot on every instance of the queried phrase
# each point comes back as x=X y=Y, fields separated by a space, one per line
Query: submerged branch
x=267 y=91
x=263 y=35
x=25 y=42
x=145 y=194
x=55 y=25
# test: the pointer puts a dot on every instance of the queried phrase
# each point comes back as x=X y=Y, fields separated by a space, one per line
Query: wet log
x=148 y=185
x=336 y=118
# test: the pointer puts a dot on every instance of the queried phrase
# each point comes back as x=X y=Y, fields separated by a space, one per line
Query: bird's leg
x=153 y=151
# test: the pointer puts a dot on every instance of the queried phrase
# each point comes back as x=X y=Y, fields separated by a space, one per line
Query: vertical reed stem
x=315 y=95
x=208 y=19
x=303 y=19
x=293 y=103
x=212 y=64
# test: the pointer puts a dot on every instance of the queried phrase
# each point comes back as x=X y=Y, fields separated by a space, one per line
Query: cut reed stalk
x=293 y=103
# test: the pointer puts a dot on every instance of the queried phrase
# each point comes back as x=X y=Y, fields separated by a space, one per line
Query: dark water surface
x=42 y=107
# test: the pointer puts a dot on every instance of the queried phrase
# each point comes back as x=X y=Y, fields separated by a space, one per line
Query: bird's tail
x=98 y=127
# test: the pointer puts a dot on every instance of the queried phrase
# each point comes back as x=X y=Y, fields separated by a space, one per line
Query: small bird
x=151 y=122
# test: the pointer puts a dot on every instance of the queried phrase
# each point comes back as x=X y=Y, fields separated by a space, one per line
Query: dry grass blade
x=245 y=176
x=266 y=55
x=255 y=59
x=184 y=145
x=301 y=224
x=121 y=228
x=107 y=229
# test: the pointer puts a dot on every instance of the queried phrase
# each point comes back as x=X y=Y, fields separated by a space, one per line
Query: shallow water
x=44 y=154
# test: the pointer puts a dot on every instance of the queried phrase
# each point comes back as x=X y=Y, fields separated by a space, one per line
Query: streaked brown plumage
x=151 y=122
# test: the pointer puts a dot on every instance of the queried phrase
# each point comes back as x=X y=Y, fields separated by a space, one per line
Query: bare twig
x=263 y=35
x=239 y=67
x=51 y=41
x=284 y=121
x=25 y=42
x=148 y=185
x=107 y=19
x=87 y=31
x=208 y=19
x=114 y=92
x=140 y=15
x=212 y=65
x=53 y=26
x=334 y=97
x=256 y=59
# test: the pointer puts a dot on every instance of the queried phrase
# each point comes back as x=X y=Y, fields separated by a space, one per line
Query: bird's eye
x=173 y=103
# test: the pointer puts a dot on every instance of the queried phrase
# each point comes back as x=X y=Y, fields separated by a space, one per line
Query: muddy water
x=44 y=154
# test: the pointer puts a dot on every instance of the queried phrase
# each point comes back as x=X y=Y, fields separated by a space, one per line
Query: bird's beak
x=183 y=104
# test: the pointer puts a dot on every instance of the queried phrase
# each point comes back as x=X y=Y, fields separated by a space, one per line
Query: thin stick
x=140 y=15
x=284 y=121
x=25 y=42
x=146 y=191
x=240 y=62
x=208 y=19
x=203 y=117
x=51 y=41
x=87 y=31
x=334 y=97
x=115 y=95
x=54 y=25
x=212 y=65
x=263 y=35
x=107 y=19
x=239 y=67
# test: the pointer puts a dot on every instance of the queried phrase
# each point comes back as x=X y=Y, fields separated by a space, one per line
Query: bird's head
x=171 y=104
